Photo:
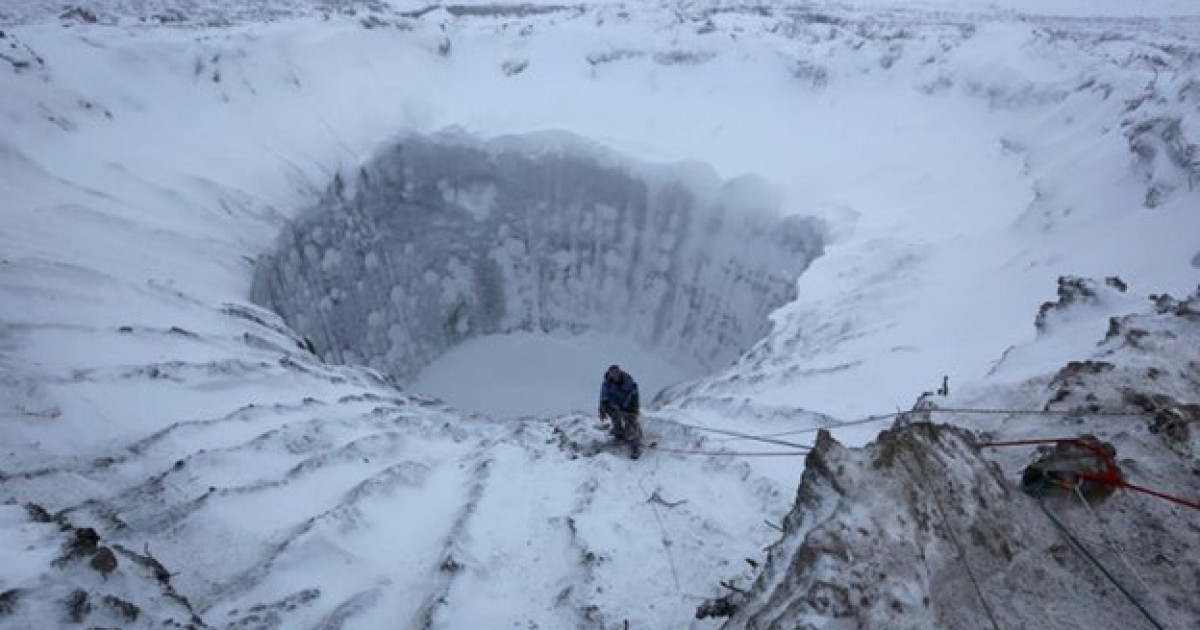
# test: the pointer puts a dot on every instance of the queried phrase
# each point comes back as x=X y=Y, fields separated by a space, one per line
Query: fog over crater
x=442 y=239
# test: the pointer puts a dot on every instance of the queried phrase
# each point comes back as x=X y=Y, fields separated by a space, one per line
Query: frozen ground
x=173 y=454
x=528 y=374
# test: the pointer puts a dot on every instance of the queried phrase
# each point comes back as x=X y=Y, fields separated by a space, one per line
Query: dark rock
x=128 y=610
x=1075 y=370
x=720 y=607
x=1074 y=377
x=1072 y=290
x=1187 y=309
x=9 y=600
x=371 y=22
x=450 y=565
x=78 y=605
x=83 y=544
x=829 y=599
x=513 y=67
x=1114 y=328
x=79 y=14
x=104 y=561
x=149 y=562
x=1170 y=419
x=170 y=16
x=38 y=514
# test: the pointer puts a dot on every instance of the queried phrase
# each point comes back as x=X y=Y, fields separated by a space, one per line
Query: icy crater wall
x=440 y=239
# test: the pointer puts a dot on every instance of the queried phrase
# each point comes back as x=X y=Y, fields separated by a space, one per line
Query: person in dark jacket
x=619 y=403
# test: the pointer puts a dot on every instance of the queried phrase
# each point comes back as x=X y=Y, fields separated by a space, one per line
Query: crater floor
x=544 y=375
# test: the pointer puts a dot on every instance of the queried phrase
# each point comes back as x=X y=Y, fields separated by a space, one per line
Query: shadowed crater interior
x=443 y=238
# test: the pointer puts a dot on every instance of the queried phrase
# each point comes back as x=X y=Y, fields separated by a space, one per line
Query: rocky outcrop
x=919 y=530
x=922 y=529
x=1075 y=292
x=62 y=573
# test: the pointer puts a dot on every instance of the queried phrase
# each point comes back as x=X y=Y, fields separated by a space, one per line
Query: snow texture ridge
x=439 y=241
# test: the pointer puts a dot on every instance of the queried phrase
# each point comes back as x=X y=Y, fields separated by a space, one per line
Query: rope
x=1184 y=502
x=1112 y=545
x=666 y=542
x=836 y=425
x=1110 y=476
x=730 y=453
x=1038 y=491
x=744 y=436
x=960 y=410
x=962 y=554
x=1034 y=412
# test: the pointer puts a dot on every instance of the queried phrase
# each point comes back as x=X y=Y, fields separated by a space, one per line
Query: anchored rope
x=666 y=542
x=1112 y=545
x=958 y=410
x=1037 y=491
x=962 y=554
x=681 y=451
x=1109 y=476
x=1034 y=412
x=743 y=436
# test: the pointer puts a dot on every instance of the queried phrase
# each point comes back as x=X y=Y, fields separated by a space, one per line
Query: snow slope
x=960 y=156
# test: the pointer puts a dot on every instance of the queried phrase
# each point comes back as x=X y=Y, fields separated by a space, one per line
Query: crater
x=530 y=257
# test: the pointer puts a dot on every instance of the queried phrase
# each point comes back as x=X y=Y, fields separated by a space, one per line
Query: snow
x=26 y=556
x=527 y=374
x=958 y=156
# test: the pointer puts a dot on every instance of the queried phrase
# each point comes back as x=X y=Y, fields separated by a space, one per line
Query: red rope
x=1192 y=504
x=1111 y=475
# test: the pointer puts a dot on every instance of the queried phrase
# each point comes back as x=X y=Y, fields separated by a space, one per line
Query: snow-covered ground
x=958 y=156
x=526 y=374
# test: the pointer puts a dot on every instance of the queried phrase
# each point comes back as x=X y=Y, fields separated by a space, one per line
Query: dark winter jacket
x=622 y=395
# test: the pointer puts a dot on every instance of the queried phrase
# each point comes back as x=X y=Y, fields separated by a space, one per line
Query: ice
x=540 y=374
x=574 y=239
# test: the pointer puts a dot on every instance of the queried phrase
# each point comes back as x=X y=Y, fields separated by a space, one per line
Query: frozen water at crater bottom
x=531 y=374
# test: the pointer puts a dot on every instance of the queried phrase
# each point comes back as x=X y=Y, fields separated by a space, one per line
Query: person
x=619 y=403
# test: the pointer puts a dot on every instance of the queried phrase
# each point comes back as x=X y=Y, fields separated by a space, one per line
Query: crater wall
x=439 y=239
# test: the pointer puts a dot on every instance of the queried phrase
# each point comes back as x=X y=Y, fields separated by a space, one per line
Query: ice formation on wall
x=439 y=239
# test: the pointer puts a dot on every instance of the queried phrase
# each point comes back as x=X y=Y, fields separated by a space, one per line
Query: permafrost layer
x=442 y=239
